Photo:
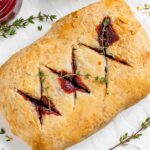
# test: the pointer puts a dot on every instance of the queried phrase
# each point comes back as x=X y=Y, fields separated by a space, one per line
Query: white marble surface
x=127 y=121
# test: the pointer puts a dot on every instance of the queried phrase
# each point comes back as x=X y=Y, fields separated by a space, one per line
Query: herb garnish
x=106 y=22
x=46 y=88
x=126 y=138
x=2 y=131
x=87 y=76
x=10 y=29
x=103 y=47
x=42 y=76
x=8 y=138
x=77 y=73
x=39 y=28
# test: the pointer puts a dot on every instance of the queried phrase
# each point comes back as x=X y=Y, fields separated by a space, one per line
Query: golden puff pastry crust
x=91 y=65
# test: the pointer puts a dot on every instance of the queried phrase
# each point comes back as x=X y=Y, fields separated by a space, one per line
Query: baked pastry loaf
x=91 y=65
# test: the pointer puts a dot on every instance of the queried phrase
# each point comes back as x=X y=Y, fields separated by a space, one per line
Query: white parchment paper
x=127 y=121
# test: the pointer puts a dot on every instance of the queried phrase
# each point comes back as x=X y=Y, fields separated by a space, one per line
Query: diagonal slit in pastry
x=44 y=106
x=70 y=82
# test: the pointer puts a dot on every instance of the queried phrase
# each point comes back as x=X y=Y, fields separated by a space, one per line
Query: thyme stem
x=124 y=139
x=87 y=76
x=7 y=30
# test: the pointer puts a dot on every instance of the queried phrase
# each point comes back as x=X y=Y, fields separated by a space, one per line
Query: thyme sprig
x=7 y=30
x=77 y=73
x=87 y=76
x=126 y=138
x=102 y=38
x=103 y=48
x=42 y=76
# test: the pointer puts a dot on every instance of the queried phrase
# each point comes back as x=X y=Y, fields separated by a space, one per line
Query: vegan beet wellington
x=91 y=65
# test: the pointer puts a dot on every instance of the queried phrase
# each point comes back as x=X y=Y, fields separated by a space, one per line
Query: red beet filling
x=42 y=106
x=72 y=83
x=106 y=34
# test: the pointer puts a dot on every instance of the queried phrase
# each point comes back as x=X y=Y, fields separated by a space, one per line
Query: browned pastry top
x=91 y=65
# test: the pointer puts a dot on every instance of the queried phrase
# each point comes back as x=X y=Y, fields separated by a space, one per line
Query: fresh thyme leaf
x=2 y=131
x=18 y=23
x=103 y=80
x=39 y=28
x=40 y=16
x=8 y=138
x=30 y=19
x=41 y=74
x=123 y=138
x=96 y=78
x=87 y=76
x=47 y=88
x=146 y=123
x=136 y=136
x=48 y=98
x=5 y=28
x=106 y=22
x=4 y=35
x=12 y=32
x=78 y=73
x=147 y=119
x=53 y=17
